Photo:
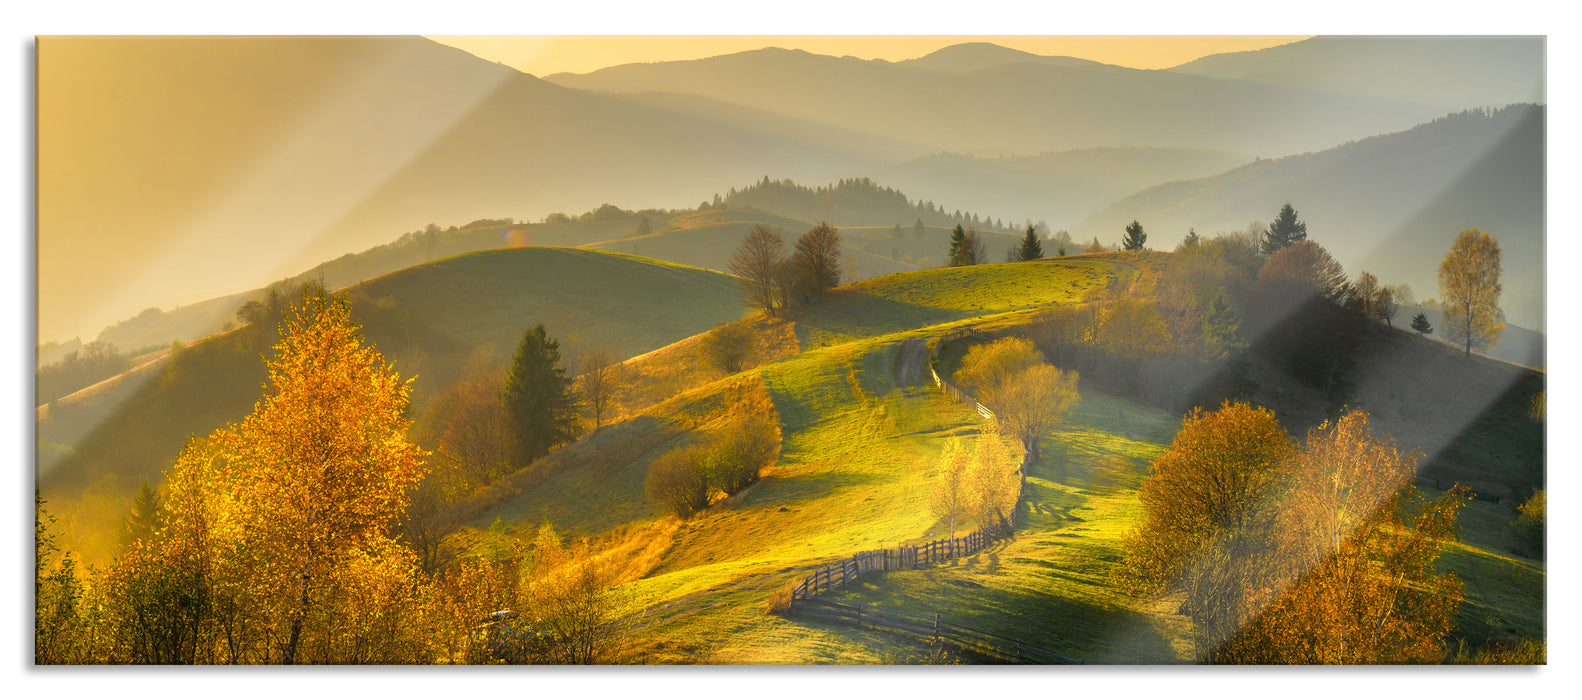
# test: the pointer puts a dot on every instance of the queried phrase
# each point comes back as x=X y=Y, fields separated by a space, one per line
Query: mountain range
x=291 y=152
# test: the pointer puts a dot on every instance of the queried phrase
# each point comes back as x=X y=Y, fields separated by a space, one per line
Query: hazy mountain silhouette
x=993 y=101
x=1061 y=187
x=977 y=55
x=1446 y=72
x=1390 y=204
x=228 y=163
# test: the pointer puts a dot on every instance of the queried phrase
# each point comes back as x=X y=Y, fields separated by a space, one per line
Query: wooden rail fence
x=916 y=556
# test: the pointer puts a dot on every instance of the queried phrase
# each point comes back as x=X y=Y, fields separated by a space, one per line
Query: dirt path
x=909 y=364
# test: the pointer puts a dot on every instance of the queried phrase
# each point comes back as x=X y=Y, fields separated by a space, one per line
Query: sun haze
x=547 y=55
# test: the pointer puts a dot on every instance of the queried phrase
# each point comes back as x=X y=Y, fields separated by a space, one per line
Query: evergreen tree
x=1135 y=237
x=1421 y=325
x=538 y=395
x=1284 y=231
x=1220 y=322
x=958 y=238
x=918 y=230
x=1032 y=249
x=146 y=517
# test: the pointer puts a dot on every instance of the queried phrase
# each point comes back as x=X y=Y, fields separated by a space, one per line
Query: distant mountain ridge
x=1389 y=204
x=1448 y=73
x=985 y=99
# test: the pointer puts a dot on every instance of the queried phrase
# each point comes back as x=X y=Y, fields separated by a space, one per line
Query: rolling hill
x=1388 y=204
x=428 y=320
x=861 y=445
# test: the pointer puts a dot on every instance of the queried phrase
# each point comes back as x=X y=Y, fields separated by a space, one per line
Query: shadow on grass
x=1039 y=615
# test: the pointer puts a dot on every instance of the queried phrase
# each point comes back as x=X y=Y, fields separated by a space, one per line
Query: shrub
x=727 y=347
x=678 y=480
x=1530 y=525
x=741 y=452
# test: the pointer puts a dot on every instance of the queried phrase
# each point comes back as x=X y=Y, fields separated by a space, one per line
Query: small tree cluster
x=1028 y=396
x=773 y=282
x=684 y=479
x=966 y=248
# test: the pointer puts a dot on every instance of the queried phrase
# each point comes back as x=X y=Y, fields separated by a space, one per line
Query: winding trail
x=909 y=364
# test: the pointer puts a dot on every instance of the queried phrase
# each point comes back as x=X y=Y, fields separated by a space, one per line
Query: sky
x=547 y=55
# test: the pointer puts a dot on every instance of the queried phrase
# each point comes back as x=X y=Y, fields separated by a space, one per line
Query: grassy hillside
x=860 y=451
x=428 y=320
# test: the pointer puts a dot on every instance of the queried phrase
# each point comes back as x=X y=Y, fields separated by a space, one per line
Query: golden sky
x=547 y=55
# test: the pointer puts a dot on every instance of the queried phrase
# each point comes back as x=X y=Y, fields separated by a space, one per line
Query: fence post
x=936 y=629
x=1018 y=651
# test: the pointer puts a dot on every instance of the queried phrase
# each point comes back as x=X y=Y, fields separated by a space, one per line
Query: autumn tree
x=817 y=258
x=755 y=265
x=574 y=604
x=1349 y=559
x=1469 y=290
x=57 y=593
x=598 y=383
x=1200 y=501
x=678 y=480
x=1133 y=329
x=1028 y=397
x=1365 y=294
x=538 y=396
x=950 y=496
x=991 y=482
x=322 y=466
x=469 y=428
x=1032 y=248
x=1284 y=231
x=1135 y=237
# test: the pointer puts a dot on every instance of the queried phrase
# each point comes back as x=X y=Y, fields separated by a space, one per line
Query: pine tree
x=1031 y=249
x=957 y=238
x=146 y=516
x=538 y=395
x=1134 y=236
x=1421 y=325
x=1284 y=231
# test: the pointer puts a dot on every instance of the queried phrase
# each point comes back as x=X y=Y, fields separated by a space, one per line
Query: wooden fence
x=932 y=630
x=916 y=556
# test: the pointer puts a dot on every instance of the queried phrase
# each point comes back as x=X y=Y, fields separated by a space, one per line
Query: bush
x=1530 y=526
x=741 y=452
x=727 y=347
x=678 y=480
